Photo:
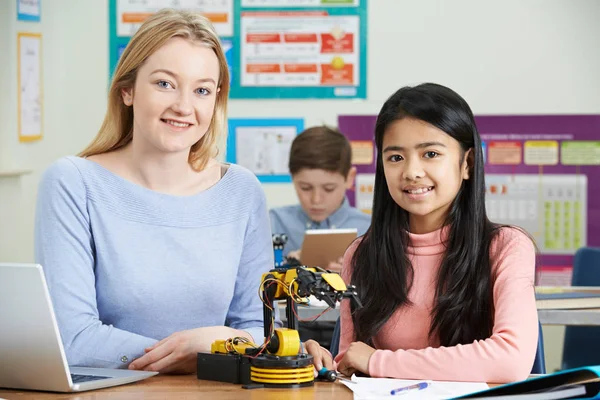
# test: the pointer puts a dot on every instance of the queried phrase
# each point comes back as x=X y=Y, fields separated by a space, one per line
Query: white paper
x=29 y=7
x=30 y=86
x=380 y=388
x=265 y=150
x=365 y=183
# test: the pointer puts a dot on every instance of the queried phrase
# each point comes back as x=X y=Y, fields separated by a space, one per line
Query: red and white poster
x=299 y=48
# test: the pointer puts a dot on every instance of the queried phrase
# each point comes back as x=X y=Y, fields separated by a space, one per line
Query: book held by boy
x=322 y=246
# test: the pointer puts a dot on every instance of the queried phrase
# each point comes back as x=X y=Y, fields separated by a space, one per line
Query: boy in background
x=321 y=169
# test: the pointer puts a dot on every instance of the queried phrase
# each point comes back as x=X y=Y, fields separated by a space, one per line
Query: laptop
x=31 y=350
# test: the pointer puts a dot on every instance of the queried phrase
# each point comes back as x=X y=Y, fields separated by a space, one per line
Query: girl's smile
x=424 y=168
x=418 y=192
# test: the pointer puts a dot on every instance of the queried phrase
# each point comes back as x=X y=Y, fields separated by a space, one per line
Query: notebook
x=381 y=388
x=567 y=297
x=321 y=246
x=577 y=383
x=31 y=350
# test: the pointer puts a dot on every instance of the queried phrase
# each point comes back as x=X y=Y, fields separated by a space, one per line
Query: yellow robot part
x=231 y=346
x=288 y=342
x=282 y=376
x=335 y=281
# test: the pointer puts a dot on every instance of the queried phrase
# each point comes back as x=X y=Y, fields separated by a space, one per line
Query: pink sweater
x=404 y=347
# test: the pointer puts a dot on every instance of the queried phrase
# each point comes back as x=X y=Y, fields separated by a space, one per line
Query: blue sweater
x=127 y=266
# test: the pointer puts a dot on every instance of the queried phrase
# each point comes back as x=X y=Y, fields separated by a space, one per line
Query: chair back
x=334 y=348
x=581 y=345
x=539 y=363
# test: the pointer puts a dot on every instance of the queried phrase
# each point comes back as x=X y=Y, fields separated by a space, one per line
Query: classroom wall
x=5 y=28
x=75 y=79
x=504 y=57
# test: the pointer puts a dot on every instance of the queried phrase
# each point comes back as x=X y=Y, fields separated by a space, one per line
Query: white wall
x=504 y=57
x=5 y=72
x=15 y=221
x=75 y=79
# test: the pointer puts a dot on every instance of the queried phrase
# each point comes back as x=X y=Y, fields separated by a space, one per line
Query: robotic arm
x=278 y=362
x=295 y=285
x=326 y=286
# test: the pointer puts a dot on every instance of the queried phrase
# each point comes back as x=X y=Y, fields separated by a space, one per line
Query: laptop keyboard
x=76 y=378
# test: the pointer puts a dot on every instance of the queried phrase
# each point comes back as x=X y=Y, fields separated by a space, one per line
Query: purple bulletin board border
x=517 y=128
x=359 y=127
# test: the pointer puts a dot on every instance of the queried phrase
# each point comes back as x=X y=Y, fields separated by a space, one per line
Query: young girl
x=447 y=294
x=152 y=248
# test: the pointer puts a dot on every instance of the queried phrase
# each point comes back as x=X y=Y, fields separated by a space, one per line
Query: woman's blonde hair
x=117 y=129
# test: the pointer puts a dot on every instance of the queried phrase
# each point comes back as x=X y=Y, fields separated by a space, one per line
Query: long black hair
x=382 y=272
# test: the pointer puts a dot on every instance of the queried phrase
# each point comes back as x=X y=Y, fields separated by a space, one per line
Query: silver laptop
x=31 y=350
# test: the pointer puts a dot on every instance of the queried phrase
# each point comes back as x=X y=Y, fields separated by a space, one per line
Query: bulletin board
x=30 y=104
x=360 y=129
x=263 y=145
x=275 y=48
x=540 y=172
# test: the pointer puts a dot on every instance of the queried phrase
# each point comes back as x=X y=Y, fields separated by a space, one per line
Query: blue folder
x=586 y=376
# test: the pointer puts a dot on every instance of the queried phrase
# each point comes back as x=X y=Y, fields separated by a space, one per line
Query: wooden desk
x=188 y=387
x=572 y=317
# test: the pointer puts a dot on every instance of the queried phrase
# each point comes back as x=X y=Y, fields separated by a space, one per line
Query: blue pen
x=410 y=388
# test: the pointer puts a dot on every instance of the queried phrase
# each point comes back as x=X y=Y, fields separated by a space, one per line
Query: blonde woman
x=152 y=248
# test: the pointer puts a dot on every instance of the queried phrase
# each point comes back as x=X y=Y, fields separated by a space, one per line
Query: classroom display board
x=263 y=145
x=360 y=131
x=293 y=49
x=552 y=208
x=29 y=10
x=30 y=104
x=540 y=175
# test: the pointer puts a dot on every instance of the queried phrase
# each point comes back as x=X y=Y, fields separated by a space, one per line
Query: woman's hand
x=356 y=359
x=322 y=358
x=178 y=353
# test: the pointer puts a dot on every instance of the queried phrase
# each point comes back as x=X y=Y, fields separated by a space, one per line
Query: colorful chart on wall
x=126 y=16
x=540 y=171
x=276 y=48
x=302 y=52
x=263 y=145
